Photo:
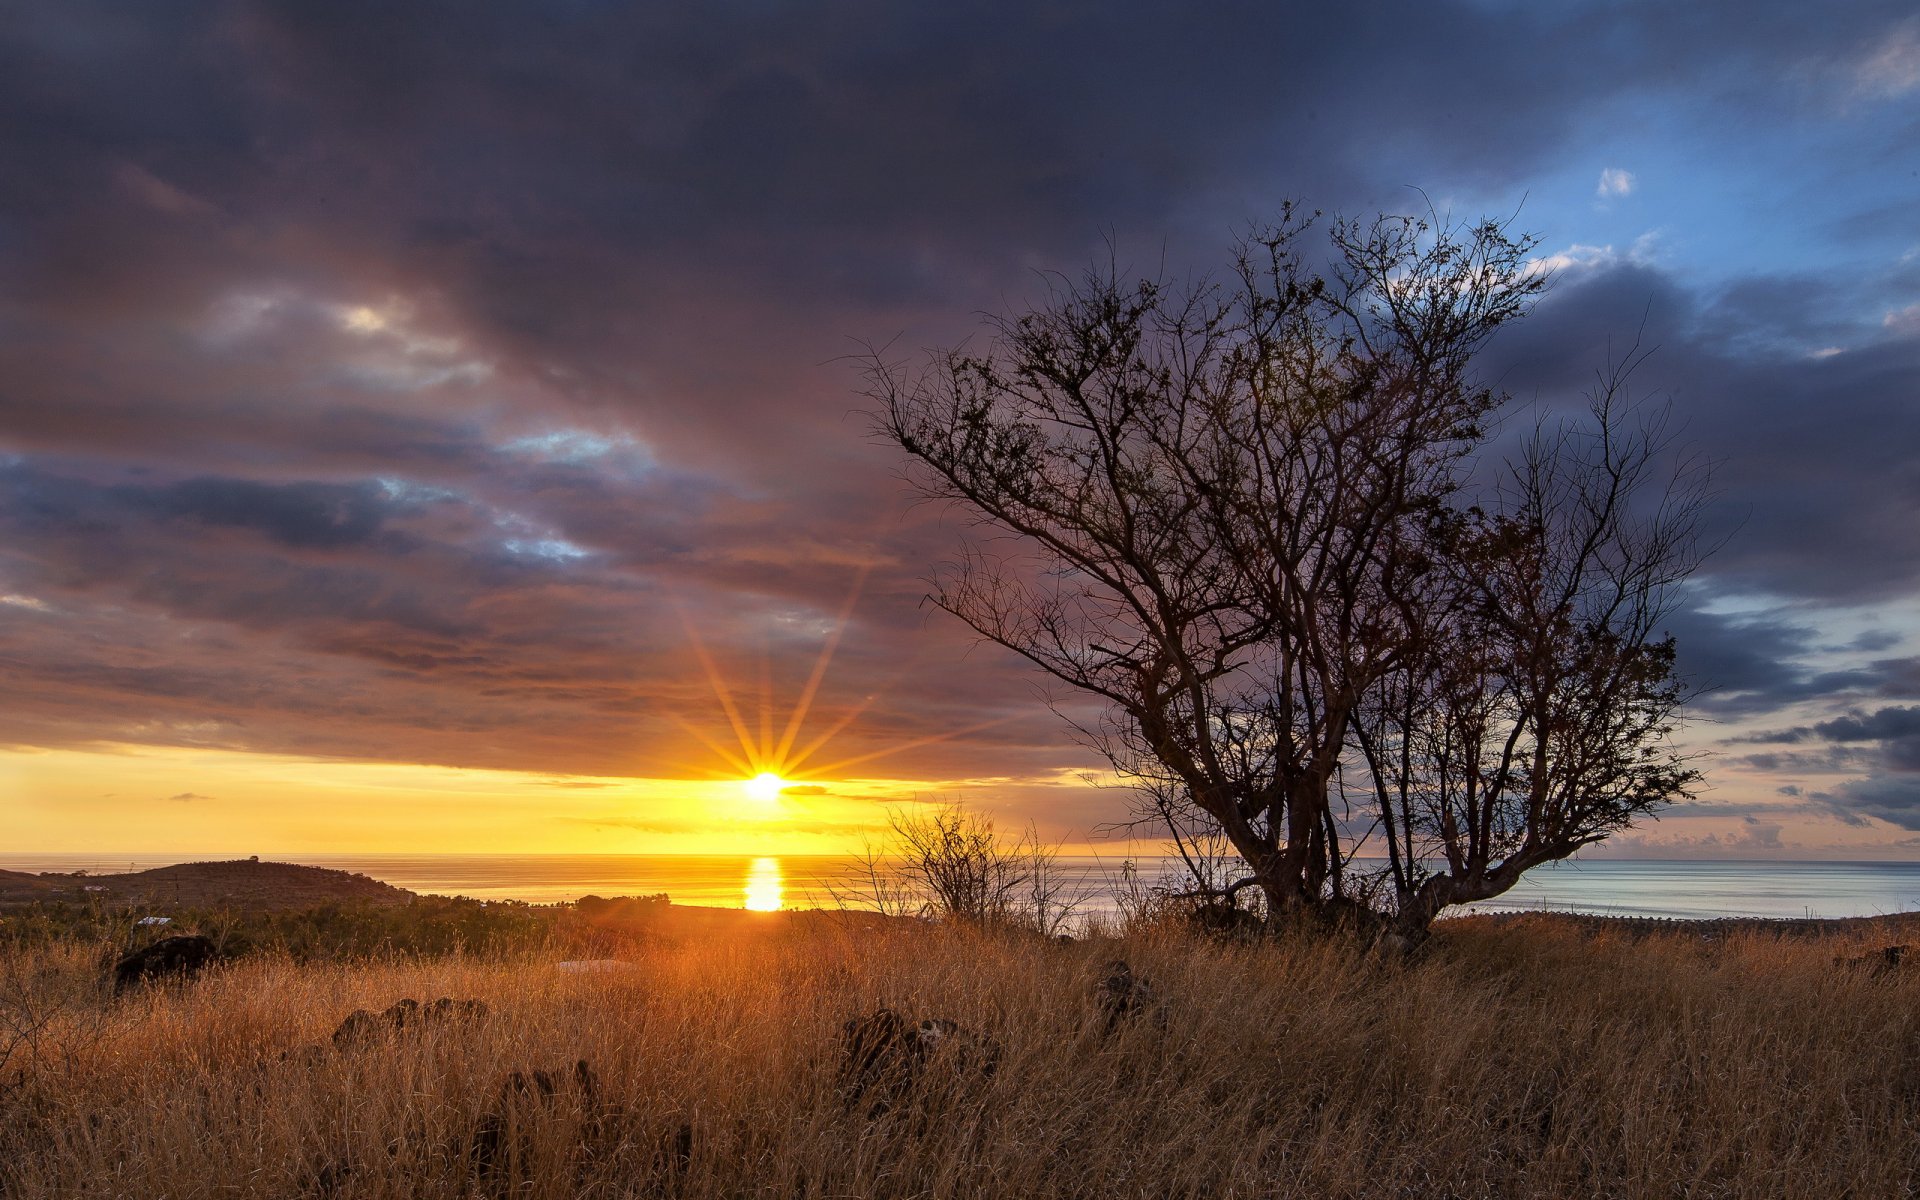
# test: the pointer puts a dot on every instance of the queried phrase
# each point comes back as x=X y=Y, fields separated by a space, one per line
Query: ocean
x=1621 y=887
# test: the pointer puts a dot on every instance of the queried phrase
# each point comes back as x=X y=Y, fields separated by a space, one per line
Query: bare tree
x=1533 y=721
x=1232 y=508
x=961 y=869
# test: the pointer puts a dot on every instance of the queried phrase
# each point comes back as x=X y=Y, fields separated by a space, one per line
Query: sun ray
x=719 y=686
x=798 y=760
x=820 y=664
x=765 y=756
x=857 y=759
x=733 y=760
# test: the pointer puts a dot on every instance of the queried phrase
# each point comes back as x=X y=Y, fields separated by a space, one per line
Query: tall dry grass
x=1509 y=1061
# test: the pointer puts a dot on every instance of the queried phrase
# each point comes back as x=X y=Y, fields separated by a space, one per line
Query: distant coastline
x=1624 y=888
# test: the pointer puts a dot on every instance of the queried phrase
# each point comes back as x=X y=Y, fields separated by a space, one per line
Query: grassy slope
x=1520 y=1058
x=243 y=883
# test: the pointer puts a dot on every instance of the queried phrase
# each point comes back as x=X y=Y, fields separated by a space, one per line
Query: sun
x=766 y=787
x=772 y=760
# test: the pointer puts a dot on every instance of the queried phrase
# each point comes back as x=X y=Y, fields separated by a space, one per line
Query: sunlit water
x=766 y=883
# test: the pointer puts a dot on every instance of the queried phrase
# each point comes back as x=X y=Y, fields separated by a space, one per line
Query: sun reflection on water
x=764 y=885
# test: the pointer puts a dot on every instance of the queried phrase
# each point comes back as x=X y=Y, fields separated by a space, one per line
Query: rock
x=941 y=1041
x=361 y=1026
x=874 y=1059
x=1121 y=997
x=501 y=1150
x=1224 y=920
x=457 y=1011
x=179 y=957
x=1878 y=962
x=1392 y=944
x=305 y=1056
x=883 y=1058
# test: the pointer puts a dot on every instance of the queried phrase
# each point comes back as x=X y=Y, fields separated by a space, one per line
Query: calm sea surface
x=1621 y=887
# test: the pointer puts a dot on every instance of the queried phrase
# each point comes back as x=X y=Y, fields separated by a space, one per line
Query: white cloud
x=393 y=320
x=408 y=491
x=158 y=194
x=382 y=347
x=1581 y=257
x=242 y=314
x=549 y=547
x=1891 y=68
x=398 y=354
x=1575 y=258
x=568 y=445
x=1614 y=182
x=16 y=600
x=1905 y=321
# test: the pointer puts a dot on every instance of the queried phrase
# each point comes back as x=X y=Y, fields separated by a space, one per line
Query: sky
x=418 y=421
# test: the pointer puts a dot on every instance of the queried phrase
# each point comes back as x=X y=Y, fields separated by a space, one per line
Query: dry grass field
x=1518 y=1059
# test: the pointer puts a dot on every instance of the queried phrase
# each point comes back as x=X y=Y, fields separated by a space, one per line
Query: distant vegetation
x=250 y=907
x=1507 y=1059
x=246 y=882
x=427 y=926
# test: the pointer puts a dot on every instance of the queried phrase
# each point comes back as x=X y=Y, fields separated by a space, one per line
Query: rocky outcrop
x=1122 y=997
x=362 y=1026
x=171 y=958
x=884 y=1058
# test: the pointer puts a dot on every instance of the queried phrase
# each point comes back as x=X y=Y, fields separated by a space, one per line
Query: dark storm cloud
x=434 y=626
x=1746 y=664
x=387 y=380
x=1883 y=742
x=1814 y=477
x=1882 y=725
x=319 y=515
x=1891 y=798
x=1892 y=723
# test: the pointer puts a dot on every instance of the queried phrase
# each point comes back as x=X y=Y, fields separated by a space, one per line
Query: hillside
x=244 y=883
x=18 y=885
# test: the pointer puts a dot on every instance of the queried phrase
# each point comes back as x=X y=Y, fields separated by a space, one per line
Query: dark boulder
x=941 y=1043
x=1878 y=962
x=1121 y=997
x=875 y=1059
x=179 y=957
x=458 y=1012
x=362 y=1026
x=359 y=1026
x=502 y=1148
x=1226 y=921
x=883 y=1057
